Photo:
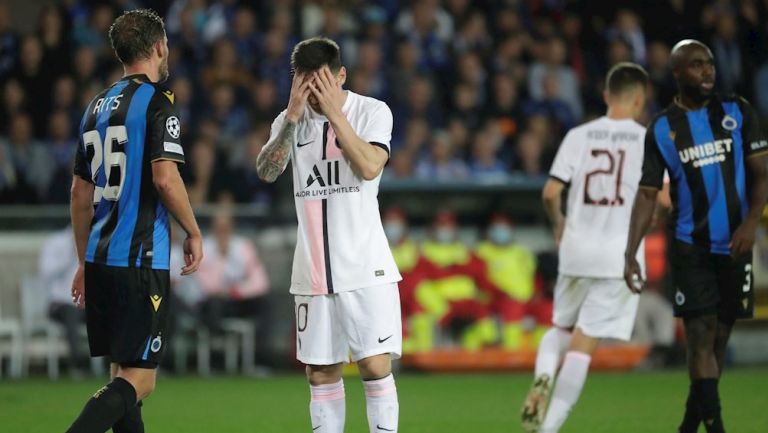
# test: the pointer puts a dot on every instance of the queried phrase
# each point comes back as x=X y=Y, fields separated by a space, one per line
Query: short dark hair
x=134 y=33
x=314 y=53
x=624 y=76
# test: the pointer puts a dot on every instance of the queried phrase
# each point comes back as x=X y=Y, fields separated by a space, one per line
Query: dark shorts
x=706 y=283
x=127 y=313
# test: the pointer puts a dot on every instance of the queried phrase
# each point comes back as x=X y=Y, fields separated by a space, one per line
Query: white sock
x=553 y=345
x=381 y=404
x=327 y=407
x=568 y=387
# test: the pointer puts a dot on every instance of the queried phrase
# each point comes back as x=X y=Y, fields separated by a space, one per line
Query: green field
x=611 y=403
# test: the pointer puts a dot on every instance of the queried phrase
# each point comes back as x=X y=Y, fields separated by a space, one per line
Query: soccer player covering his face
x=344 y=277
x=601 y=161
x=714 y=150
x=125 y=183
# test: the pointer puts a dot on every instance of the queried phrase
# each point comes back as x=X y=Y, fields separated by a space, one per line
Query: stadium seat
x=44 y=338
x=11 y=346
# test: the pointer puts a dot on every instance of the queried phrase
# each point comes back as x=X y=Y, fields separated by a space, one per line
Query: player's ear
x=605 y=96
x=158 y=47
x=341 y=77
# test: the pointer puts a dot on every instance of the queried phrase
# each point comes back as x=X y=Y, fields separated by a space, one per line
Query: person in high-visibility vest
x=416 y=324
x=510 y=267
x=452 y=294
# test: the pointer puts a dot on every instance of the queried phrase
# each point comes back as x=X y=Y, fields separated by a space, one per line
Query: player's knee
x=323 y=374
x=143 y=381
x=375 y=367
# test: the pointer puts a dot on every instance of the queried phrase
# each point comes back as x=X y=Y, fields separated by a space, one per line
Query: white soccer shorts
x=363 y=323
x=600 y=307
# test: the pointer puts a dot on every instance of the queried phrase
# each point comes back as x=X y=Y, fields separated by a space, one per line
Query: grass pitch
x=488 y=403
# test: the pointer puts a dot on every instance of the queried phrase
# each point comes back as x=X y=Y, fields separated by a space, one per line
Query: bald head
x=684 y=49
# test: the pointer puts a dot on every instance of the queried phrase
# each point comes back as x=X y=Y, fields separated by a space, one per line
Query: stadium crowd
x=479 y=89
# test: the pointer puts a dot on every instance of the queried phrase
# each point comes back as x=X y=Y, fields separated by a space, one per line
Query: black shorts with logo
x=708 y=283
x=127 y=313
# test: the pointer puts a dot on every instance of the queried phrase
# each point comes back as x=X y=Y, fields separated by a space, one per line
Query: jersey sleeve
x=755 y=141
x=564 y=165
x=653 y=162
x=164 y=129
x=82 y=165
x=378 y=129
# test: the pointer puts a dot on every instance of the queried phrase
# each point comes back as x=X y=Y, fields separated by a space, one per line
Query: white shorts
x=363 y=323
x=600 y=307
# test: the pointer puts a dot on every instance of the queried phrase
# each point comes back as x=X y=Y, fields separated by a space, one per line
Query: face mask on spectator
x=445 y=235
x=394 y=231
x=500 y=234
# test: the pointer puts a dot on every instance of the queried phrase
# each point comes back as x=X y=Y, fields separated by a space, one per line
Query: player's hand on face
x=632 y=276
x=193 y=254
x=743 y=239
x=78 y=287
x=328 y=92
x=298 y=99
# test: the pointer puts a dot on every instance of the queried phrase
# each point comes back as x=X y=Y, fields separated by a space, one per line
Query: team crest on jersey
x=173 y=126
x=729 y=123
x=156 y=345
x=679 y=297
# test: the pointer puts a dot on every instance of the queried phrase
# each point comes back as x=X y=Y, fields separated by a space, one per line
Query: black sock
x=131 y=422
x=108 y=405
x=709 y=404
x=692 y=417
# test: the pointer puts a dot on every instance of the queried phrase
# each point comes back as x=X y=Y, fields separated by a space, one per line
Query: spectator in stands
x=181 y=87
x=441 y=165
x=403 y=71
x=60 y=147
x=472 y=36
x=245 y=183
x=85 y=63
x=552 y=105
x=627 y=27
x=728 y=56
x=485 y=165
x=505 y=108
x=368 y=77
x=265 y=106
x=244 y=36
x=230 y=116
x=430 y=28
x=9 y=42
x=56 y=268
x=419 y=102
x=552 y=61
x=36 y=80
x=225 y=68
x=14 y=102
x=65 y=99
x=530 y=151
x=55 y=40
x=233 y=279
x=660 y=74
x=29 y=158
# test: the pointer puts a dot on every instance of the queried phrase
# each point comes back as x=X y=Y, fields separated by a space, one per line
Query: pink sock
x=381 y=404
x=327 y=407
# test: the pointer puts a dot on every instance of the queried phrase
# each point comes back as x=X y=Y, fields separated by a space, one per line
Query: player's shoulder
x=162 y=96
x=582 y=130
x=369 y=103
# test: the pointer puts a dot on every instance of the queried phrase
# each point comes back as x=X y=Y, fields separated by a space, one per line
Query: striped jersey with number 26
x=124 y=130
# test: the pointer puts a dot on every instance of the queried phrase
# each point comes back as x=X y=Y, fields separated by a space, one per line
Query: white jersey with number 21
x=602 y=161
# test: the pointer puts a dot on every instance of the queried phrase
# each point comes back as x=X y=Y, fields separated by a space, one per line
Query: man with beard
x=125 y=183
x=714 y=150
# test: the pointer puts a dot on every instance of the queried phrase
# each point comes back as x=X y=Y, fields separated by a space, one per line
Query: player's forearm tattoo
x=274 y=155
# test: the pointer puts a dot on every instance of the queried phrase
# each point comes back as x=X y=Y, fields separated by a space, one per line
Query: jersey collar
x=140 y=77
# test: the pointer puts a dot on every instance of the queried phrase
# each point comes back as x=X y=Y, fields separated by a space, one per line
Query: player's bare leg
x=705 y=344
x=112 y=402
x=381 y=402
x=327 y=406
x=570 y=381
x=553 y=345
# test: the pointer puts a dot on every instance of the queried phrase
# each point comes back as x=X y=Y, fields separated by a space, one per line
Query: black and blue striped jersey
x=124 y=129
x=704 y=152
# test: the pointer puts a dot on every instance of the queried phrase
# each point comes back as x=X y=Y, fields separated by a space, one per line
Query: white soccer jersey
x=602 y=160
x=341 y=244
